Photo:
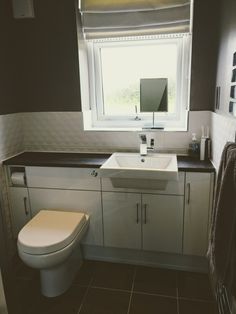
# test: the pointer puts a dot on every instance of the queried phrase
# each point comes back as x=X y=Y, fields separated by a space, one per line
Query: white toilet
x=50 y=242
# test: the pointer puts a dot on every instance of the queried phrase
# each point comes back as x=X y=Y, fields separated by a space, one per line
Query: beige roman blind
x=118 y=18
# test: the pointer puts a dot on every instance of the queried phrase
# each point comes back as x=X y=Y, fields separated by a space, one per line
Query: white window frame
x=169 y=121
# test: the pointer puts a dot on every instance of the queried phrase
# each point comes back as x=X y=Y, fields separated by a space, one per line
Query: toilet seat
x=50 y=231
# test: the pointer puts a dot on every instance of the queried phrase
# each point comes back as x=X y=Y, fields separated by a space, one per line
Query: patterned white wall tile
x=59 y=131
x=63 y=131
x=223 y=129
x=11 y=135
x=178 y=140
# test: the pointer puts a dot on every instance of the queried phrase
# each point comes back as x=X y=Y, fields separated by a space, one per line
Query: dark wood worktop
x=92 y=160
x=45 y=159
x=187 y=163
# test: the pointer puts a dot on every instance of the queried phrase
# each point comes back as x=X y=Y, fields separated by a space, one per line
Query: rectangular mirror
x=154 y=95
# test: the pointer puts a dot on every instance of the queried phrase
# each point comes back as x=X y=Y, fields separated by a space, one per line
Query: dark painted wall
x=40 y=70
x=204 y=54
x=7 y=61
x=227 y=47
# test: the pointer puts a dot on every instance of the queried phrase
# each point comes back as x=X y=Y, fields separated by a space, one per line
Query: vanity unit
x=165 y=225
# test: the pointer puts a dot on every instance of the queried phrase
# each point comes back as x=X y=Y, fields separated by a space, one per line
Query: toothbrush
x=207 y=132
x=203 y=131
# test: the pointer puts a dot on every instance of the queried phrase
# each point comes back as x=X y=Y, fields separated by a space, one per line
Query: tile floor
x=109 y=288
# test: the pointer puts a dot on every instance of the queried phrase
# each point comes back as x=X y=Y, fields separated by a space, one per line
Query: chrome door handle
x=137 y=213
x=145 y=214
x=188 y=193
x=25 y=206
x=94 y=173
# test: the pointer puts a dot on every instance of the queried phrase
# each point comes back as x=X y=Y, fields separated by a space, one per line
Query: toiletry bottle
x=205 y=144
x=194 y=146
x=208 y=143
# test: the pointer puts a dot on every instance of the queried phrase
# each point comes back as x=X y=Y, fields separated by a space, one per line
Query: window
x=131 y=49
x=115 y=69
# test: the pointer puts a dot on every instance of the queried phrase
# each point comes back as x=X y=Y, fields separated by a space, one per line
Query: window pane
x=124 y=66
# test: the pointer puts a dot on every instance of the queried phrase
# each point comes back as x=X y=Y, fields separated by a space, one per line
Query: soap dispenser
x=194 y=146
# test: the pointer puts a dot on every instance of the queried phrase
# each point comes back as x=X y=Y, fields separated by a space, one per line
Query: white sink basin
x=132 y=165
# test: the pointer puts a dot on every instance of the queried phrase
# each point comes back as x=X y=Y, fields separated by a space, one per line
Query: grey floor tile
x=25 y=294
x=113 y=276
x=194 y=286
x=68 y=303
x=149 y=304
x=103 y=301
x=85 y=274
x=196 y=307
x=156 y=281
x=105 y=296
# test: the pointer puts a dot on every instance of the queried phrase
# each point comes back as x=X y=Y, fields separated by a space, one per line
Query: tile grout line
x=155 y=295
x=196 y=300
x=85 y=295
x=132 y=289
x=109 y=289
x=135 y=292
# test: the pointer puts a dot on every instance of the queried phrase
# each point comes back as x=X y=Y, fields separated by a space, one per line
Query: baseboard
x=145 y=258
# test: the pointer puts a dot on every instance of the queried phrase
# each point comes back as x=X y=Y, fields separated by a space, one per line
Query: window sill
x=95 y=129
x=88 y=126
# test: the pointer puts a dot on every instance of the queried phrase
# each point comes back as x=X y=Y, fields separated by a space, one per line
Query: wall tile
x=11 y=135
x=63 y=131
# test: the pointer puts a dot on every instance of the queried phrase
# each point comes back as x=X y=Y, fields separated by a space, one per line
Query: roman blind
x=118 y=18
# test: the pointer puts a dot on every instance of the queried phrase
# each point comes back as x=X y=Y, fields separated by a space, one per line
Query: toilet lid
x=50 y=231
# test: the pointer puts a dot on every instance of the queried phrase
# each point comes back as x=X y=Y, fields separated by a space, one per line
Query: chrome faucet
x=144 y=148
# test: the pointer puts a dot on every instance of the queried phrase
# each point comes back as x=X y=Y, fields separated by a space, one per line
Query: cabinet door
x=197 y=204
x=122 y=220
x=88 y=202
x=162 y=217
x=20 y=208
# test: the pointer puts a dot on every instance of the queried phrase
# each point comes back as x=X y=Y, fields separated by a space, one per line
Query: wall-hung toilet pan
x=50 y=242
